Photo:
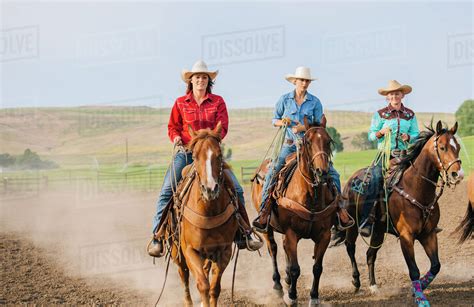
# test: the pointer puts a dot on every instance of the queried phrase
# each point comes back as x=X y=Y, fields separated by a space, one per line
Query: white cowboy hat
x=198 y=67
x=393 y=85
x=300 y=73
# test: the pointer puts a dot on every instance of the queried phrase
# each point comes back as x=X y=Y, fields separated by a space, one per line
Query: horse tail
x=466 y=226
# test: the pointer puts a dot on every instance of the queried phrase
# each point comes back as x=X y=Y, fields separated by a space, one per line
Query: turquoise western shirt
x=402 y=121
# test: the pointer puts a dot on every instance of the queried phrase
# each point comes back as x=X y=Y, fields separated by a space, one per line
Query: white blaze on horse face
x=211 y=182
x=453 y=144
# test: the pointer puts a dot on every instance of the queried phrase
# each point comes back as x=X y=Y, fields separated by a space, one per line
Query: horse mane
x=203 y=134
x=415 y=148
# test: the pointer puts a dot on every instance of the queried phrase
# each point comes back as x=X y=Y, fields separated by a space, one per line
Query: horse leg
x=218 y=268
x=406 y=242
x=430 y=244
x=273 y=250
x=351 y=238
x=290 y=243
x=196 y=266
x=184 y=274
x=319 y=251
x=375 y=244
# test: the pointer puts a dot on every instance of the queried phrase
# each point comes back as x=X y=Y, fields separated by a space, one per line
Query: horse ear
x=191 y=131
x=439 y=127
x=306 y=124
x=454 y=129
x=323 y=121
x=218 y=128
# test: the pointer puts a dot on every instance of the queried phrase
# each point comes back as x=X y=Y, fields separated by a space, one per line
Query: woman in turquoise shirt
x=402 y=124
x=290 y=110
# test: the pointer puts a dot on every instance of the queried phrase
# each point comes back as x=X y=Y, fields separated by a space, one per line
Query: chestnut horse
x=466 y=226
x=412 y=206
x=208 y=222
x=306 y=209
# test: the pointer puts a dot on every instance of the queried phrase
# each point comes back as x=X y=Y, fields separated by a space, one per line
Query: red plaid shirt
x=186 y=112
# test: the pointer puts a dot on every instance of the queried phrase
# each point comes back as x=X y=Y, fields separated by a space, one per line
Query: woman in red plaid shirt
x=200 y=109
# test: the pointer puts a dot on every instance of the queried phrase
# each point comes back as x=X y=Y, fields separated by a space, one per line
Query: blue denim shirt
x=287 y=107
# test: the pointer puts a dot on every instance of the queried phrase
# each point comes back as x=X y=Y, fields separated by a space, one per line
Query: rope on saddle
x=382 y=156
x=275 y=145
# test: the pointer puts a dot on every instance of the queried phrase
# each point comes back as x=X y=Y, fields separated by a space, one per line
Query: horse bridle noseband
x=313 y=182
x=444 y=170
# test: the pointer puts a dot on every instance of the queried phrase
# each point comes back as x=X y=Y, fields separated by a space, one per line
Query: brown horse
x=306 y=209
x=412 y=206
x=466 y=227
x=208 y=224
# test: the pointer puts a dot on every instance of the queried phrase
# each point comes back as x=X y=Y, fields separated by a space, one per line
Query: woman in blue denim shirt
x=290 y=110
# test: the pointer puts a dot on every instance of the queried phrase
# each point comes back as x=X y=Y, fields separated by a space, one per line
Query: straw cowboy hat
x=300 y=73
x=393 y=85
x=198 y=67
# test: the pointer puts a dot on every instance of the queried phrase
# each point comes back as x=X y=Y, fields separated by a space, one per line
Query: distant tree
x=6 y=160
x=362 y=142
x=465 y=118
x=338 y=146
x=31 y=160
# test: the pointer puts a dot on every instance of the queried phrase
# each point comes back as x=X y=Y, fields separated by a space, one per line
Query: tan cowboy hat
x=300 y=73
x=198 y=67
x=393 y=85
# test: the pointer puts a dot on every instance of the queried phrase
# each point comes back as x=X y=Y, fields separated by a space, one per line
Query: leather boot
x=261 y=222
x=244 y=236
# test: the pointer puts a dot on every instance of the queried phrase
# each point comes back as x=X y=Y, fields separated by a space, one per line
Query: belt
x=398 y=153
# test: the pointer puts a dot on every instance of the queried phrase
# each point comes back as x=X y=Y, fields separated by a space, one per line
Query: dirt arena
x=82 y=247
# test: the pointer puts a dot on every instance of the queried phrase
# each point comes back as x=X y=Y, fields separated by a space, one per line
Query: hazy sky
x=117 y=53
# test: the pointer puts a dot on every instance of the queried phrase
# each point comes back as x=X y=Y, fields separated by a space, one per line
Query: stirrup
x=340 y=227
x=259 y=242
x=258 y=228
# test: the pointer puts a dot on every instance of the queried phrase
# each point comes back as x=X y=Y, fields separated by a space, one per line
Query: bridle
x=444 y=170
x=220 y=177
x=316 y=180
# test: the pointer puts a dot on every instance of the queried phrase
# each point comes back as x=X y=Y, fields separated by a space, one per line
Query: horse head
x=208 y=160
x=445 y=154
x=317 y=143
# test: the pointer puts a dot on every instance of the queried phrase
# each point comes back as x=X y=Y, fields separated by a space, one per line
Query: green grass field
x=90 y=142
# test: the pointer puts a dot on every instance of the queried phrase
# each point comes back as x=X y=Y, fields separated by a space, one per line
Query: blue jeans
x=270 y=180
x=169 y=184
x=374 y=189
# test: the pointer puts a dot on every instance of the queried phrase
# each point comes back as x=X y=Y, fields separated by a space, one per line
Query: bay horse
x=208 y=222
x=306 y=210
x=466 y=227
x=413 y=209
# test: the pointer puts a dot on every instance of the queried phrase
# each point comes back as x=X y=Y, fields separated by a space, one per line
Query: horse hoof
x=288 y=301
x=286 y=285
x=314 y=302
x=277 y=287
x=356 y=290
x=374 y=289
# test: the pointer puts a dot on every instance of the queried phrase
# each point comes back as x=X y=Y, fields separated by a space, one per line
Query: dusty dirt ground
x=83 y=247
